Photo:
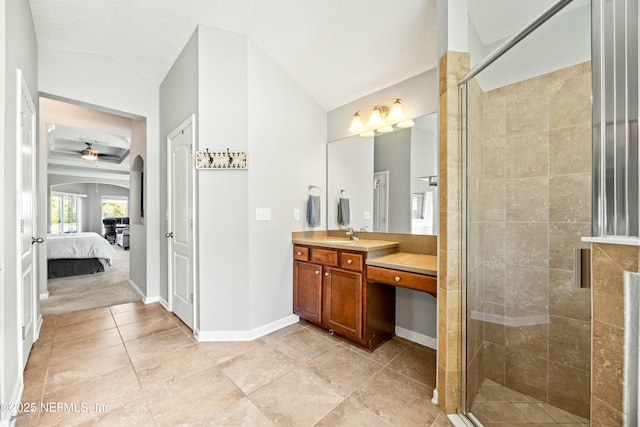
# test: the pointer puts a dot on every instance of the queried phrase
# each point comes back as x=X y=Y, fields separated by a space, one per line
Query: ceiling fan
x=89 y=153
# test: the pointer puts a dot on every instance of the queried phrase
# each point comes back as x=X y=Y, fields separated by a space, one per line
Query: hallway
x=136 y=364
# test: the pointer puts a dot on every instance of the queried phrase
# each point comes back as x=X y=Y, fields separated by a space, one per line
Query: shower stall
x=526 y=140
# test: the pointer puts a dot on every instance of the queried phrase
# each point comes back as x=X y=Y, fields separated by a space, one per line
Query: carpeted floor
x=110 y=287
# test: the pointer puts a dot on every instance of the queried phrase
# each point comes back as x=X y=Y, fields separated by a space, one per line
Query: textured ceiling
x=337 y=50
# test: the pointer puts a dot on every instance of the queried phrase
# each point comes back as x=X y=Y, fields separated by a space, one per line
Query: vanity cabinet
x=330 y=290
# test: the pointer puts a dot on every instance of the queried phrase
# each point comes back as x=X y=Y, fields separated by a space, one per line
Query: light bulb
x=375 y=119
x=368 y=133
x=385 y=129
x=356 y=124
x=396 y=114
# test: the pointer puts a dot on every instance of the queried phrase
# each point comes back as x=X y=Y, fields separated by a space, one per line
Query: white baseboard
x=16 y=397
x=434 y=396
x=164 y=303
x=252 y=334
x=417 y=337
x=45 y=295
x=143 y=297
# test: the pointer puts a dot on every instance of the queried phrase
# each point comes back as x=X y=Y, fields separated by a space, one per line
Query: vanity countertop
x=414 y=263
x=344 y=243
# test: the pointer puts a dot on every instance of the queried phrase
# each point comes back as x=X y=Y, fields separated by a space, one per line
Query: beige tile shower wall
x=452 y=67
x=536 y=207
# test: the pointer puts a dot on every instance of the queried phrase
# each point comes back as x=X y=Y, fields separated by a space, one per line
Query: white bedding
x=78 y=246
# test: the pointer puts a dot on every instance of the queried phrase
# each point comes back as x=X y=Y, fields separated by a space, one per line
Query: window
x=66 y=211
x=114 y=207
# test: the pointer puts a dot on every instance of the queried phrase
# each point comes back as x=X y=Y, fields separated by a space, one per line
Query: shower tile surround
x=529 y=205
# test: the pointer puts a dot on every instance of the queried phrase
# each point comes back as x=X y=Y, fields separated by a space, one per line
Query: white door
x=381 y=201
x=27 y=235
x=180 y=220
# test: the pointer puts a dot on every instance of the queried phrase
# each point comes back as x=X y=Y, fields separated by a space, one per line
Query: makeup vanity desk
x=347 y=287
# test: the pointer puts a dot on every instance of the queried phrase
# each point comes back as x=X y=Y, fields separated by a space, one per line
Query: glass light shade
x=89 y=155
x=368 y=133
x=375 y=119
x=356 y=124
x=396 y=114
x=406 y=124
x=385 y=129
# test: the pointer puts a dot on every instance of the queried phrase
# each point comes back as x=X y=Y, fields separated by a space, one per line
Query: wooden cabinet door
x=307 y=290
x=343 y=301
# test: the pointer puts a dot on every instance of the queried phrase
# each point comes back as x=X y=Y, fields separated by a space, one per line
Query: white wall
x=561 y=42
x=243 y=101
x=178 y=100
x=100 y=81
x=19 y=51
x=287 y=149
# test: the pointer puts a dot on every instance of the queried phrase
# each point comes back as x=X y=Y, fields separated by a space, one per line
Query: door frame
x=190 y=121
x=37 y=319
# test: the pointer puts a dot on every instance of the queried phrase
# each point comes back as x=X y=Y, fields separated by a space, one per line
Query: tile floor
x=133 y=364
x=496 y=405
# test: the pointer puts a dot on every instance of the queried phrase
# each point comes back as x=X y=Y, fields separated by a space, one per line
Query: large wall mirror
x=385 y=179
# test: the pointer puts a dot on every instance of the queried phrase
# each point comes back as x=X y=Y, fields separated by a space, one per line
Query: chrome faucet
x=351 y=234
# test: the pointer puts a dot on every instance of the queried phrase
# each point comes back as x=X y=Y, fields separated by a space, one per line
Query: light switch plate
x=296 y=214
x=263 y=214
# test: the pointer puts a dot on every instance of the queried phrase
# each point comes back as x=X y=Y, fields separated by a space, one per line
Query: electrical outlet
x=296 y=214
x=263 y=214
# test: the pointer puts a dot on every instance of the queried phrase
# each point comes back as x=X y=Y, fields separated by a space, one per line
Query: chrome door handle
x=37 y=240
x=169 y=235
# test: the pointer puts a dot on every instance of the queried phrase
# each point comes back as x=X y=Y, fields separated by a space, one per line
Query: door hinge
x=191 y=223
x=191 y=298
x=22 y=120
x=24 y=334
x=22 y=225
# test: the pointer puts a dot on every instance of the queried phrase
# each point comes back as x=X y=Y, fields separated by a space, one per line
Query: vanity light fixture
x=382 y=118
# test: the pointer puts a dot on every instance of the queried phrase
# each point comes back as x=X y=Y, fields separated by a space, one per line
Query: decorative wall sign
x=221 y=159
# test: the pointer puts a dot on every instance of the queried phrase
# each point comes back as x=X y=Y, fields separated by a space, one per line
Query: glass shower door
x=526 y=138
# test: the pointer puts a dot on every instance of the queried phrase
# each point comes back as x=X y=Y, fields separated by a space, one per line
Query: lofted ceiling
x=336 y=50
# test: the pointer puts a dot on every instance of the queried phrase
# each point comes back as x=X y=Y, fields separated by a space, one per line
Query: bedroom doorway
x=27 y=233
x=180 y=221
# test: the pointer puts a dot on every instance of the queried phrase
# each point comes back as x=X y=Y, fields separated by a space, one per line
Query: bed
x=76 y=254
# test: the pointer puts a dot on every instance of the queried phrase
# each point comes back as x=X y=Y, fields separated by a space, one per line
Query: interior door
x=27 y=226
x=180 y=169
x=381 y=201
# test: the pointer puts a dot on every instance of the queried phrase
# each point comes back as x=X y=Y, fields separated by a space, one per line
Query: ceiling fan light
x=90 y=155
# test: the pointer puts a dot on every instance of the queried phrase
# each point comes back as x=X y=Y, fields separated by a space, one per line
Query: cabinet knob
x=397 y=279
x=349 y=261
x=299 y=253
x=317 y=271
x=326 y=273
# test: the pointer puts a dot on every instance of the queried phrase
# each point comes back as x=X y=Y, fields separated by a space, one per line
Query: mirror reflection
x=385 y=183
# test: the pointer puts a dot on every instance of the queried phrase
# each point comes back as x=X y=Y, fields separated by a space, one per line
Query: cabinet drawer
x=351 y=261
x=301 y=253
x=325 y=256
x=404 y=279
